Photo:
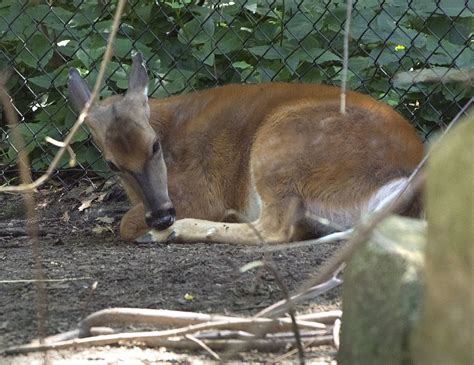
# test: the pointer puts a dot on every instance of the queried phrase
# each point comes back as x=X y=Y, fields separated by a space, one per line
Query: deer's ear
x=138 y=78
x=79 y=93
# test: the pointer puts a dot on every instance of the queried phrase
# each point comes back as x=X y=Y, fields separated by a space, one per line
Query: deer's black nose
x=161 y=219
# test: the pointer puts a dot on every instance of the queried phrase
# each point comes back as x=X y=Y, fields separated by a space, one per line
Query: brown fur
x=288 y=142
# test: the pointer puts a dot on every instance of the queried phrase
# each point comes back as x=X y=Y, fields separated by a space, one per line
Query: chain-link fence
x=192 y=45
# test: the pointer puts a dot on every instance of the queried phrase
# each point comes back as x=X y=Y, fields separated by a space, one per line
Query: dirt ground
x=80 y=244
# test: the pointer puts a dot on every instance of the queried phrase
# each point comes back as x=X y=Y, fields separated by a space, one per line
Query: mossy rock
x=382 y=294
x=446 y=334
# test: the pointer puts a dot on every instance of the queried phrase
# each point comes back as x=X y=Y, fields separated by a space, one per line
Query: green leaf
x=197 y=32
x=205 y=54
x=41 y=81
x=36 y=53
x=242 y=65
x=272 y=52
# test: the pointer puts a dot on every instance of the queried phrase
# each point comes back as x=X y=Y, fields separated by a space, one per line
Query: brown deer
x=262 y=150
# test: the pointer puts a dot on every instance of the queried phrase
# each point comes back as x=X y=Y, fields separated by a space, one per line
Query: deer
x=275 y=154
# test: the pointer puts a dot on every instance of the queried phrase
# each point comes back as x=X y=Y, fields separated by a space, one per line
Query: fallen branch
x=163 y=317
x=181 y=343
x=158 y=338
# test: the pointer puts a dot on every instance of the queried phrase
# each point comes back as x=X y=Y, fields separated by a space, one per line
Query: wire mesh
x=190 y=45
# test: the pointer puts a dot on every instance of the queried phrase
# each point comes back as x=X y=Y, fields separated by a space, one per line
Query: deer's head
x=120 y=126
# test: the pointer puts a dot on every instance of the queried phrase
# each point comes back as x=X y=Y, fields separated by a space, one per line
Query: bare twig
x=345 y=60
x=203 y=345
x=72 y=155
x=43 y=280
x=29 y=202
x=31 y=185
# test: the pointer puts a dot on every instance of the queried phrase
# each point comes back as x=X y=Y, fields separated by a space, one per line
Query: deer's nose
x=160 y=219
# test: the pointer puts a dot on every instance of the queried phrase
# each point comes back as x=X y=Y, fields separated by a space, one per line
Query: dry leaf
x=65 y=218
x=87 y=203
x=99 y=229
x=107 y=220
x=101 y=197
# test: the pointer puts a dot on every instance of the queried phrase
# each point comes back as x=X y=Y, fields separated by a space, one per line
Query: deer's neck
x=174 y=112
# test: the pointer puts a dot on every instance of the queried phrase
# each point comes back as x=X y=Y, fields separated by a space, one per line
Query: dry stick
x=345 y=60
x=43 y=280
x=203 y=345
x=335 y=333
x=228 y=334
x=162 y=317
x=28 y=186
x=29 y=202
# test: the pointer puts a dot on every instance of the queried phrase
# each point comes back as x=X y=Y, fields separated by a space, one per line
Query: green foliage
x=192 y=45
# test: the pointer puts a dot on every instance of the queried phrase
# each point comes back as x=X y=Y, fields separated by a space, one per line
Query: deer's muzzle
x=160 y=219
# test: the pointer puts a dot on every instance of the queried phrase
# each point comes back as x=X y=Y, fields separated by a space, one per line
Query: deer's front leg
x=133 y=223
x=196 y=230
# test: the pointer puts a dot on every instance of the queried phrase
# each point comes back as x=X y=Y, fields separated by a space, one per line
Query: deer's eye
x=156 y=147
x=112 y=166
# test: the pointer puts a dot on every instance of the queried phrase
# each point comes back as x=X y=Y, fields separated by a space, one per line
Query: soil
x=79 y=243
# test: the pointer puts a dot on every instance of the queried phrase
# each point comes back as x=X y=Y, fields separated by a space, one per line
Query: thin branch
x=282 y=306
x=29 y=186
x=345 y=59
x=29 y=202
x=72 y=154
x=203 y=345
x=42 y=280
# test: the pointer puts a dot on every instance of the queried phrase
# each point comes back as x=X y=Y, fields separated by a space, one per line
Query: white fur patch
x=254 y=203
x=386 y=194
x=346 y=218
